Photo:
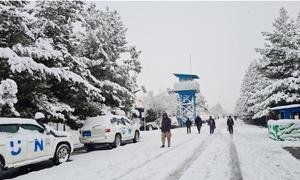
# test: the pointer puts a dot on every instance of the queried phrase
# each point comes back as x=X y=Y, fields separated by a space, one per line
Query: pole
x=144 y=123
x=190 y=63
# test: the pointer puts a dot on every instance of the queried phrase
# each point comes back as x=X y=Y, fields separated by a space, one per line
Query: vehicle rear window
x=9 y=128
x=101 y=120
x=113 y=120
x=122 y=121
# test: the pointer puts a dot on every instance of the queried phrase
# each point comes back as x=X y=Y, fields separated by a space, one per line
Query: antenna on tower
x=190 y=63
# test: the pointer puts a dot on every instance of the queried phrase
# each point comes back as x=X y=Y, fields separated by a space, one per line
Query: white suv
x=24 y=141
x=108 y=129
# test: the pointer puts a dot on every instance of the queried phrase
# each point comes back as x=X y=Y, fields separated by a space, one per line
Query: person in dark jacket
x=230 y=124
x=165 y=130
x=198 y=122
x=188 y=124
x=212 y=125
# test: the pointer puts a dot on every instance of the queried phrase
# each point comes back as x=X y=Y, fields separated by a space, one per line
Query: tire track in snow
x=153 y=159
x=265 y=152
x=235 y=164
x=236 y=173
x=187 y=163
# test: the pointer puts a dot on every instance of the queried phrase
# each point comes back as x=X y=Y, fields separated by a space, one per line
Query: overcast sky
x=220 y=36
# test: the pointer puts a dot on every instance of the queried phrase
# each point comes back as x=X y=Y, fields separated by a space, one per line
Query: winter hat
x=39 y=115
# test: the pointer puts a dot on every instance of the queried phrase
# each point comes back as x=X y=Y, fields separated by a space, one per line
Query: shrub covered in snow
x=284 y=130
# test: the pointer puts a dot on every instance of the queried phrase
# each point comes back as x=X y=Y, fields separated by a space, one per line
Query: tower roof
x=186 y=76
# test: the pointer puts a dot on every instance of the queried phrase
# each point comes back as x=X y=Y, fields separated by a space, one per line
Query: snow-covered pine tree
x=280 y=63
x=111 y=59
x=42 y=66
x=42 y=53
x=274 y=79
x=13 y=29
x=251 y=94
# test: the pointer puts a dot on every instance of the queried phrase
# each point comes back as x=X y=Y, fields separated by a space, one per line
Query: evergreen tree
x=104 y=44
x=274 y=79
x=280 y=63
x=251 y=95
x=44 y=60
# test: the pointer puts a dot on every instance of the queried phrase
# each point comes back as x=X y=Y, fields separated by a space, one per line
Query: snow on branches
x=273 y=79
x=8 y=91
x=66 y=58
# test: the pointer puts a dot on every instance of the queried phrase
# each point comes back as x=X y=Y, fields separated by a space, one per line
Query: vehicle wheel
x=62 y=154
x=150 y=128
x=136 y=137
x=1 y=168
x=89 y=147
x=117 y=141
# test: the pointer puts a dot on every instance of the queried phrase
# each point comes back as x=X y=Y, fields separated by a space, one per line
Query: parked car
x=24 y=141
x=149 y=126
x=113 y=130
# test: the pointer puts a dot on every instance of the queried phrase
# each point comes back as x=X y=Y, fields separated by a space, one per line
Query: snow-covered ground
x=248 y=154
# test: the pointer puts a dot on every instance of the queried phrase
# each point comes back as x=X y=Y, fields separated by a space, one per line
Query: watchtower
x=186 y=89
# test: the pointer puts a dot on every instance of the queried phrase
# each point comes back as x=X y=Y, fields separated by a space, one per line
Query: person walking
x=212 y=125
x=165 y=130
x=198 y=122
x=230 y=124
x=188 y=124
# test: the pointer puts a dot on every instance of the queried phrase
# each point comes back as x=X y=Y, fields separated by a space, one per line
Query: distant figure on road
x=230 y=124
x=198 y=122
x=188 y=124
x=212 y=125
x=165 y=130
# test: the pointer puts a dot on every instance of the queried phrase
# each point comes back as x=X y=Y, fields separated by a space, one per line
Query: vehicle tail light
x=107 y=130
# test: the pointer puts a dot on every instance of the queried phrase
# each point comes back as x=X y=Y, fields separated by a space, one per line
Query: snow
x=247 y=154
x=39 y=115
x=186 y=85
x=54 y=107
x=20 y=64
x=285 y=107
x=43 y=49
x=8 y=92
x=4 y=120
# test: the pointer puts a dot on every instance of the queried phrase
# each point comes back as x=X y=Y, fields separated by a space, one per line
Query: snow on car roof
x=17 y=121
x=103 y=119
x=107 y=116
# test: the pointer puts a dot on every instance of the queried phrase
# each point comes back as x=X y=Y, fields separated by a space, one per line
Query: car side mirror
x=47 y=132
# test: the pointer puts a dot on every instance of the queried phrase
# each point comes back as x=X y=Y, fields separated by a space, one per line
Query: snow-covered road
x=248 y=154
